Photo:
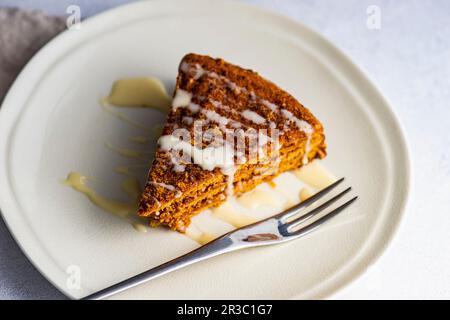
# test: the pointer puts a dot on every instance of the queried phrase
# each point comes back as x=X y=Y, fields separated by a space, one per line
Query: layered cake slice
x=228 y=130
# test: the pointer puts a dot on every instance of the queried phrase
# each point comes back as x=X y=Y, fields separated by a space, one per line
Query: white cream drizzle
x=215 y=117
x=220 y=105
x=230 y=84
x=182 y=99
x=253 y=116
x=208 y=158
x=195 y=108
x=222 y=121
x=301 y=124
x=197 y=72
x=270 y=105
x=162 y=184
x=169 y=187
x=177 y=166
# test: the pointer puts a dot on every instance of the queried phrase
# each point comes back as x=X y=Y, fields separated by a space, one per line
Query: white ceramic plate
x=51 y=123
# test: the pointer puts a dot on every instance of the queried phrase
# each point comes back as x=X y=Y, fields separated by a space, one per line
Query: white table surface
x=408 y=58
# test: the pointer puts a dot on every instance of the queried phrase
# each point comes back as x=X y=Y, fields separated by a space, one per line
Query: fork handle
x=221 y=245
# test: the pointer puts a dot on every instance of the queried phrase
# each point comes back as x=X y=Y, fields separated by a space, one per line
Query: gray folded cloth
x=22 y=34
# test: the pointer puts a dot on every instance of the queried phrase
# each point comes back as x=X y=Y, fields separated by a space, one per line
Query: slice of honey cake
x=228 y=130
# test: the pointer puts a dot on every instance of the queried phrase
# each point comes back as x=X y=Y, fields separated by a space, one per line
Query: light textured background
x=409 y=60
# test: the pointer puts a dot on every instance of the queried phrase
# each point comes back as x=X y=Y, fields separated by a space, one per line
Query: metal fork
x=286 y=226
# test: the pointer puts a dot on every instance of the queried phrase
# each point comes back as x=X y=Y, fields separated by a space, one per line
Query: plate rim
x=9 y=116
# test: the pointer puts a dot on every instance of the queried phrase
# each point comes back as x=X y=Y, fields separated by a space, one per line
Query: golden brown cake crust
x=214 y=83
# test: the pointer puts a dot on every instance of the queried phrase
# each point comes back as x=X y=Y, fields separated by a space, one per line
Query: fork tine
x=294 y=210
x=311 y=227
x=316 y=211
